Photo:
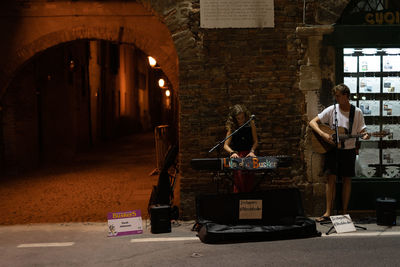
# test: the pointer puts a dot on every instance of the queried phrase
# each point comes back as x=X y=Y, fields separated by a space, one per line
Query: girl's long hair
x=231 y=122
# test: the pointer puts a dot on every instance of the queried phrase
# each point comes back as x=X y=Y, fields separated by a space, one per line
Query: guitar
x=319 y=145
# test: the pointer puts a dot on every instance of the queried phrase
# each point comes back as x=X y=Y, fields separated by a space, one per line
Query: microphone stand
x=223 y=141
x=335 y=123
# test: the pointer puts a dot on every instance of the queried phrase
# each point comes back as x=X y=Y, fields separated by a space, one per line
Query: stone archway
x=40 y=25
x=129 y=23
x=329 y=11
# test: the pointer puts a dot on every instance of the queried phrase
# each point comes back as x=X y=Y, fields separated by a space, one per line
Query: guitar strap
x=351 y=120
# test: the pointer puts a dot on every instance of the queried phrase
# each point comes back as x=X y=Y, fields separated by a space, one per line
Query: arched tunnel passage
x=77 y=132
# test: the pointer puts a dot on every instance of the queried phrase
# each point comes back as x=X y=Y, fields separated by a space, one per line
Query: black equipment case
x=242 y=217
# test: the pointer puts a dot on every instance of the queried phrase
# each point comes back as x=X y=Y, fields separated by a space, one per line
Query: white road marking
x=163 y=239
x=360 y=233
x=41 y=245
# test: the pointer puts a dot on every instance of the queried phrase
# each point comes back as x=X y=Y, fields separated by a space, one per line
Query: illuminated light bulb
x=152 y=61
x=71 y=64
x=161 y=82
x=167 y=93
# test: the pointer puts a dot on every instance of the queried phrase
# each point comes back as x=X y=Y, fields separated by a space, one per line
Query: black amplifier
x=160 y=219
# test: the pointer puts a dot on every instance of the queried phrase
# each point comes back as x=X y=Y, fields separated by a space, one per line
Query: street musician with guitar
x=340 y=161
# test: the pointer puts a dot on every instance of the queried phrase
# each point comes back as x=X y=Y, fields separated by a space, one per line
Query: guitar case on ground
x=220 y=217
x=213 y=233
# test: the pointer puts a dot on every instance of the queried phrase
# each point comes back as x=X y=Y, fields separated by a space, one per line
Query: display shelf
x=373 y=76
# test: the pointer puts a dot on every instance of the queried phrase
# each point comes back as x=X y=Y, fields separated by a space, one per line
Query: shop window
x=373 y=76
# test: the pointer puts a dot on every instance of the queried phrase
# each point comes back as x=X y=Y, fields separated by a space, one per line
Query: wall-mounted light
x=152 y=61
x=71 y=64
x=161 y=83
x=167 y=93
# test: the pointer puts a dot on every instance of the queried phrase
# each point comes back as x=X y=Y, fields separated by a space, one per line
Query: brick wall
x=256 y=67
x=211 y=69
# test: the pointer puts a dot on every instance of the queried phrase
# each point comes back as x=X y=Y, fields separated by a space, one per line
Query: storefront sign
x=237 y=13
x=124 y=223
x=387 y=17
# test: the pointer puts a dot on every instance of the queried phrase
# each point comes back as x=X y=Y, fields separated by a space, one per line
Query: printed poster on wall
x=349 y=64
x=391 y=161
x=391 y=63
x=370 y=85
x=237 y=13
x=366 y=160
x=393 y=130
x=391 y=108
x=124 y=223
x=351 y=82
x=370 y=64
x=391 y=84
x=370 y=107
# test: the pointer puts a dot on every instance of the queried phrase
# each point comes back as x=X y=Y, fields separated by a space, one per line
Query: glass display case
x=373 y=76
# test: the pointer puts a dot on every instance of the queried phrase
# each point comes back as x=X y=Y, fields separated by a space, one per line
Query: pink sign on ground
x=124 y=223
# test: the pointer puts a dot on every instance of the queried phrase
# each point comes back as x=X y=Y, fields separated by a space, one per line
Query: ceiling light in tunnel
x=152 y=61
x=71 y=64
x=161 y=82
x=167 y=93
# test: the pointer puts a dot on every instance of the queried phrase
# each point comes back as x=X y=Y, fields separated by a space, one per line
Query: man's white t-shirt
x=327 y=116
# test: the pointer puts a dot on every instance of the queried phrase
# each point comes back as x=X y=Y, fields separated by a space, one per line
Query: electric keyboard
x=248 y=163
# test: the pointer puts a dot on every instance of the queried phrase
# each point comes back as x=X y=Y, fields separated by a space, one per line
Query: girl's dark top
x=242 y=140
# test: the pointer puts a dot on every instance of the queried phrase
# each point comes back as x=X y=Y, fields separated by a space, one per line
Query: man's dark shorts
x=346 y=159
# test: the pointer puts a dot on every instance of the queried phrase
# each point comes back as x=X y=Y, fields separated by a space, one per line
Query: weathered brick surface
x=266 y=69
x=256 y=67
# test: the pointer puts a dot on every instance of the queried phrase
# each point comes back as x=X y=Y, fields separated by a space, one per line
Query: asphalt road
x=87 y=244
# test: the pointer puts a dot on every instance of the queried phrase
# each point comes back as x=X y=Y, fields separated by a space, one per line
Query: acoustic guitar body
x=319 y=145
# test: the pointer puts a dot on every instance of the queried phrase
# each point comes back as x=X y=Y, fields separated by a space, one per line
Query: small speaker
x=386 y=211
x=160 y=219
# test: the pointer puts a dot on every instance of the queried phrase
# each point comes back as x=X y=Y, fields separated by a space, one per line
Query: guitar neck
x=348 y=136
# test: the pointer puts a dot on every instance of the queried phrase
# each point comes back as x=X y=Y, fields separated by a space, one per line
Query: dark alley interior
x=78 y=126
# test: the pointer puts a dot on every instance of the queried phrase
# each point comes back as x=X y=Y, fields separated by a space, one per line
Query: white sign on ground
x=250 y=209
x=343 y=223
x=237 y=13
